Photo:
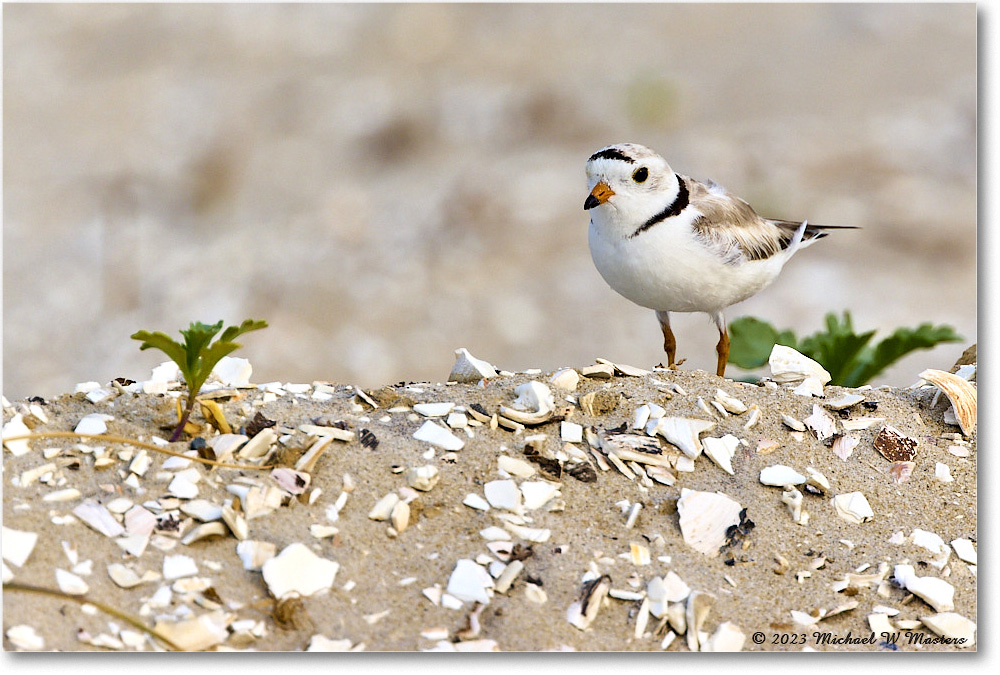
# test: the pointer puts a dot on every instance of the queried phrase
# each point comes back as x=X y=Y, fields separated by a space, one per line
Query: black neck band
x=672 y=209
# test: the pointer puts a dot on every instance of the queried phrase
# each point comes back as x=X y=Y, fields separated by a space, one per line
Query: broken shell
x=624 y=369
x=469 y=369
x=383 y=507
x=822 y=423
x=197 y=634
x=780 y=475
x=298 y=570
x=423 y=478
x=291 y=481
x=400 y=516
x=70 y=583
x=704 y=519
x=894 y=446
x=793 y=500
x=205 y=530
x=853 y=507
x=93 y=423
x=599 y=371
x=942 y=472
x=752 y=418
x=965 y=550
x=25 y=638
x=788 y=366
x=730 y=403
x=844 y=402
x=433 y=409
x=526 y=418
x=811 y=386
x=470 y=582
x=953 y=626
x=844 y=445
x=817 y=480
x=99 y=518
x=901 y=471
x=698 y=606
x=16 y=427
x=722 y=450
x=435 y=434
x=683 y=433
x=792 y=423
x=582 y=612
x=17 y=545
x=937 y=593
x=534 y=397
x=726 y=638
x=538 y=493
x=566 y=378
x=515 y=467
x=960 y=392
x=503 y=494
x=254 y=554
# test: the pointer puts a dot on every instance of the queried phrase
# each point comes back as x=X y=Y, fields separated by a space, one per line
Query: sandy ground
x=377 y=600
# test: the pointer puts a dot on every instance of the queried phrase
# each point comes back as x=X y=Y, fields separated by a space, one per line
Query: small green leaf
x=896 y=346
x=167 y=345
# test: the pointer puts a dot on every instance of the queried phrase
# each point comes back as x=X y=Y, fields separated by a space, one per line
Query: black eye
x=640 y=175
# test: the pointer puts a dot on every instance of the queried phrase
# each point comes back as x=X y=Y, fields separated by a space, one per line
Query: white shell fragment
x=952 y=626
x=722 y=450
x=99 y=518
x=503 y=494
x=435 y=434
x=853 y=507
x=779 y=475
x=515 y=467
x=253 y=554
x=792 y=423
x=965 y=550
x=534 y=397
x=233 y=371
x=197 y=634
x=960 y=392
x=682 y=432
x=70 y=583
x=433 y=409
x=789 y=366
x=822 y=423
x=582 y=612
x=696 y=611
x=538 y=493
x=726 y=638
x=94 y=423
x=844 y=402
x=565 y=378
x=423 y=478
x=16 y=427
x=469 y=369
x=843 y=446
x=730 y=403
x=298 y=570
x=937 y=593
x=470 y=582
x=25 y=638
x=383 y=507
x=17 y=546
x=704 y=519
x=811 y=386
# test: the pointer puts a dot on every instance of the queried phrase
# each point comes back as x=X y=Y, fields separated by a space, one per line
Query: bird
x=670 y=243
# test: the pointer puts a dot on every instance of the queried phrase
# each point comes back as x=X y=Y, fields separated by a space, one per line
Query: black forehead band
x=611 y=153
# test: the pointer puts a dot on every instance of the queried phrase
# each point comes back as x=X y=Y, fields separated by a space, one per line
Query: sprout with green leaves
x=196 y=357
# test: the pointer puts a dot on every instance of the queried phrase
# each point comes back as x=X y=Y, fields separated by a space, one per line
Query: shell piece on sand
x=538 y=493
x=470 y=582
x=16 y=427
x=844 y=445
x=811 y=386
x=704 y=519
x=822 y=423
x=94 y=423
x=583 y=611
x=433 y=409
x=789 y=366
x=683 y=433
x=290 y=480
x=25 y=638
x=844 y=402
x=99 y=518
x=792 y=423
x=70 y=583
x=298 y=570
x=469 y=369
x=726 y=638
x=233 y=371
x=730 y=403
x=194 y=635
x=793 y=500
x=503 y=494
x=892 y=444
x=853 y=507
x=722 y=450
x=780 y=475
x=960 y=392
x=17 y=546
x=901 y=471
x=953 y=626
x=534 y=397
x=936 y=592
x=695 y=612
x=383 y=507
x=565 y=378
x=965 y=550
x=435 y=434
x=254 y=554
x=423 y=478
x=515 y=467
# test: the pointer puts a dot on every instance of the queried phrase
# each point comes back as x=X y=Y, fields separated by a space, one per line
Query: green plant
x=846 y=355
x=196 y=357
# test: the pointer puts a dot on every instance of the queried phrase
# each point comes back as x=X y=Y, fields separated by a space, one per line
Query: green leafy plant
x=196 y=357
x=846 y=355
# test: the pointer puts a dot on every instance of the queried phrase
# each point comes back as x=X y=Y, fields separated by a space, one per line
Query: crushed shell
x=705 y=518
x=696 y=611
x=937 y=593
x=469 y=369
x=789 y=366
x=779 y=475
x=822 y=423
x=853 y=507
x=954 y=626
x=435 y=434
x=682 y=432
x=722 y=450
x=298 y=570
x=726 y=638
x=960 y=392
x=582 y=612
x=894 y=445
x=470 y=582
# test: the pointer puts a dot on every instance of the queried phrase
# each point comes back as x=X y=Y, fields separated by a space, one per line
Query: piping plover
x=673 y=244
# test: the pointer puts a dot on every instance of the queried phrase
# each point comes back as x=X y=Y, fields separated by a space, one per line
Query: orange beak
x=600 y=194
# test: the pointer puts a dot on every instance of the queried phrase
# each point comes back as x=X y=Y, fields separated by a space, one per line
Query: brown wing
x=730 y=225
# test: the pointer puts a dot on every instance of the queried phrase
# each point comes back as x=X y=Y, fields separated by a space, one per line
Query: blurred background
x=387 y=183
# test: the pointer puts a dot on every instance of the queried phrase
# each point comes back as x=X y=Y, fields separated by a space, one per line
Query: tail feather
x=803 y=233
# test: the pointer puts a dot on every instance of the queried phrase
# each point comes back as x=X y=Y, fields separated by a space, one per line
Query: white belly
x=666 y=269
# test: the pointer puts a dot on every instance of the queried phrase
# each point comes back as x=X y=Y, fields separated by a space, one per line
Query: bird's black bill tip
x=591 y=202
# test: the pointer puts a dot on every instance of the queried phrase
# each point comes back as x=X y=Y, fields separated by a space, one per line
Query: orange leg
x=669 y=342
x=723 y=347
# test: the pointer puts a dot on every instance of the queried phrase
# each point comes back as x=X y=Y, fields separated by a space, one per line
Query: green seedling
x=846 y=355
x=196 y=357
